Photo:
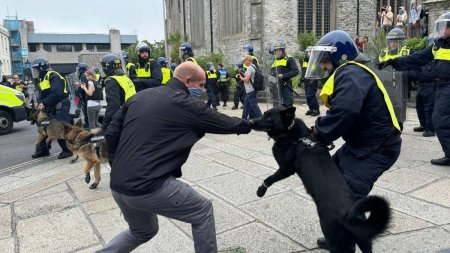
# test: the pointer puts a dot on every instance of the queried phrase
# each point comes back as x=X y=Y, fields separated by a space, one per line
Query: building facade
x=5 y=54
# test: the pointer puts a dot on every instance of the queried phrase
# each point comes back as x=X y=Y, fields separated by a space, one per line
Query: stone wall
x=346 y=16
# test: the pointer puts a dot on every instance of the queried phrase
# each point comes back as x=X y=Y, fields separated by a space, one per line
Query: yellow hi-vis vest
x=97 y=77
x=45 y=84
x=126 y=84
x=166 y=75
x=441 y=54
x=141 y=72
x=328 y=89
x=211 y=75
x=305 y=64
x=384 y=56
x=281 y=62
x=191 y=59
x=18 y=88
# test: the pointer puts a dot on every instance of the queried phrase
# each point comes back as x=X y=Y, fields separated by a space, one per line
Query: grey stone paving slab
x=90 y=249
x=226 y=216
x=8 y=179
x=58 y=232
x=302 y=192
x=403 y=223
x=437 y=192
x=414 y=207
x=246 y=166
x=57 y=188
x=433 y=169
x=40 y=168
x=256 y=238
x=290 y=214
x=5 y=221
x=84 y=194
x=234 y=150
x=426 y=240
x=198 y=146
x=266 y=160
x=291 y=182
x=7 y=245
x=236 y=187
x=169 y=238
x=205 y=139
x=263 y=146
x=205 y=151
x=28 y=208
x=99 y=205
x=196 y=160
x=446 y=227
x=16 y=185
x=202 y=171
x=405 y=180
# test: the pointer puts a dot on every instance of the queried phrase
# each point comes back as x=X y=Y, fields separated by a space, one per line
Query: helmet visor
x=319 y=65
x=124 y=59
x=34 y=73
x=441 y=29
x=394 y=46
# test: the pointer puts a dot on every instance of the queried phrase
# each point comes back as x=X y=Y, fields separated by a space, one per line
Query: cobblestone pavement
x=49 y=208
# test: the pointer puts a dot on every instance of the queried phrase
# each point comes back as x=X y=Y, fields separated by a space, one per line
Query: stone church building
x=227 y=25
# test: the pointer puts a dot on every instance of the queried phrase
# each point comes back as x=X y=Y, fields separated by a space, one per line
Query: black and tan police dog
x=342 y=218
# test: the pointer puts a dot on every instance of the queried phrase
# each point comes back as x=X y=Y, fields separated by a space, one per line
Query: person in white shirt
x=94 y=90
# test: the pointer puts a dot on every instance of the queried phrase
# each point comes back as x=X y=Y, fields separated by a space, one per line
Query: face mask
x=196 y=92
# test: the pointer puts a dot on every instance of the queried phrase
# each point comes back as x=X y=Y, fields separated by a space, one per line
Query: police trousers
x=311 y=94
x=441 y=117
x=425 y=105
x=175 y=200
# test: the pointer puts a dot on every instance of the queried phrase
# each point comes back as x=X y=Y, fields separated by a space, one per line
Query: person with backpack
x=251 y=101
x=94 y=92
x=284 y=68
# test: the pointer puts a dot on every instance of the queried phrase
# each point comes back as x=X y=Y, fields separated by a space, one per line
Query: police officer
x=425 y=97
x=395 y=47
x=118 y=87
x=186 y=53
x=239 y=92
x=123 y=56
x=147 y=71
x=248 y=50
x=166 y=72
x=54 y=100
x=439 y=56
x=223 y=78
x=173 y=66
x=284 y=68
x=360 y=111
x=211 y=85
x=310 y=89
x=81 y=75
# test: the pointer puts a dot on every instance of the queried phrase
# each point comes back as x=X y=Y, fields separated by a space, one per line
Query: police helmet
x=96 y=70
x=395 y=34
x=39 y=65
x=209 y=65
x=335 y=47
x=111 y=65
x=173 y=66
x=280 y=44
x=186 y=48
x=442 y=26
x=162 y=61
x=81 y=68
x=248 y=48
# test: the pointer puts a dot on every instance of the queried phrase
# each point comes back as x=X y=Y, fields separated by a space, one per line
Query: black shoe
x=224 y=105
x=419 y=129
x=215 y=109
x=64 y=155
x=314 y=113
x=308 y=112
x=322 y=243
x=234 y=107
x=428 y=133
x=444 y=161
x=242 y=107
x=38 y=155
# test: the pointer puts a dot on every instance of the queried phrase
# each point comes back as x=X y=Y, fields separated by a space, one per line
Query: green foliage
x=157 y=50
x=174 y=41
x=306 y=39
x=416 y=43
x=377 y=42
x=215 y=58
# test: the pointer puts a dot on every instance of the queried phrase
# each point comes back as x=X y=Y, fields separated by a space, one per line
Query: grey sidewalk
x=49 y=207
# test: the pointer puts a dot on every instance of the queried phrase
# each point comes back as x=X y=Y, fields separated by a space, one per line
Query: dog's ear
x=67 y=128
x=288 y=114
x=78 y=123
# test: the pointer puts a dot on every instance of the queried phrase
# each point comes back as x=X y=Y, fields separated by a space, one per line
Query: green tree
x=416 y=43
x=157 y=50
x=174 y=41
x=377 y=42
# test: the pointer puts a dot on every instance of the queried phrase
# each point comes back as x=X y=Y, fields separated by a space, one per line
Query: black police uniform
x=440 y=66
x=425 y=96
x=146 y=74
x=51 y=97
x=222 y=90
x=239 y=92
x=288 y=67
x=115 y=98
x=310 y=91
x=211 y=88
x=358 y=113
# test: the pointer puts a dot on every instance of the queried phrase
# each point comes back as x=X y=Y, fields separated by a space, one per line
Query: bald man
x=157 y=129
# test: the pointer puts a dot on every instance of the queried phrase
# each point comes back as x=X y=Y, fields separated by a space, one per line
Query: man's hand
x=383 y=65
x=41 y=106
x=280 y=76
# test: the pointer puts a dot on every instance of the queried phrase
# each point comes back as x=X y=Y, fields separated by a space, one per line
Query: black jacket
x=55 y=94
x=142 y=83
x=290 y=71
x=157 y=129
x=115 y=97
x=357 y=112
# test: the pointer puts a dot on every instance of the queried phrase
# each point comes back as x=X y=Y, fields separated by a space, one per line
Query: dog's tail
x=377 y=222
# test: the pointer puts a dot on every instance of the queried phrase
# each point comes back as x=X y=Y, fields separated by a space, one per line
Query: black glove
x=384 y=64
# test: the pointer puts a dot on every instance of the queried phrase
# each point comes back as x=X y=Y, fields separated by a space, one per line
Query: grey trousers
x=93 y=113
x=175 y=200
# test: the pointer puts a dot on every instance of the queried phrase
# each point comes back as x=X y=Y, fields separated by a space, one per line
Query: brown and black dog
x=80 y=142
x=342 y=218
x=50 y=128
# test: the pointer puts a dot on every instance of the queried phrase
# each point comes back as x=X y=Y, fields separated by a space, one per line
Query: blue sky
x=141 y=17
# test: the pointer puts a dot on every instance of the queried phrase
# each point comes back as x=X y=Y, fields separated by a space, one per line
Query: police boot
x=308 y=112
x=322 y=243
x=444 y=161
x=40 y=154
x=428 y=133
x=314 y=113
x=234 y=107
x=65 y=154
x=419 y=129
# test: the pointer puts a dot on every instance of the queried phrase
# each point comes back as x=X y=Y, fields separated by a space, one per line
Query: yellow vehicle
x=12 y=108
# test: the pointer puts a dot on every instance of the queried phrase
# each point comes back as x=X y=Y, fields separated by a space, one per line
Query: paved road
x=17 y=147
